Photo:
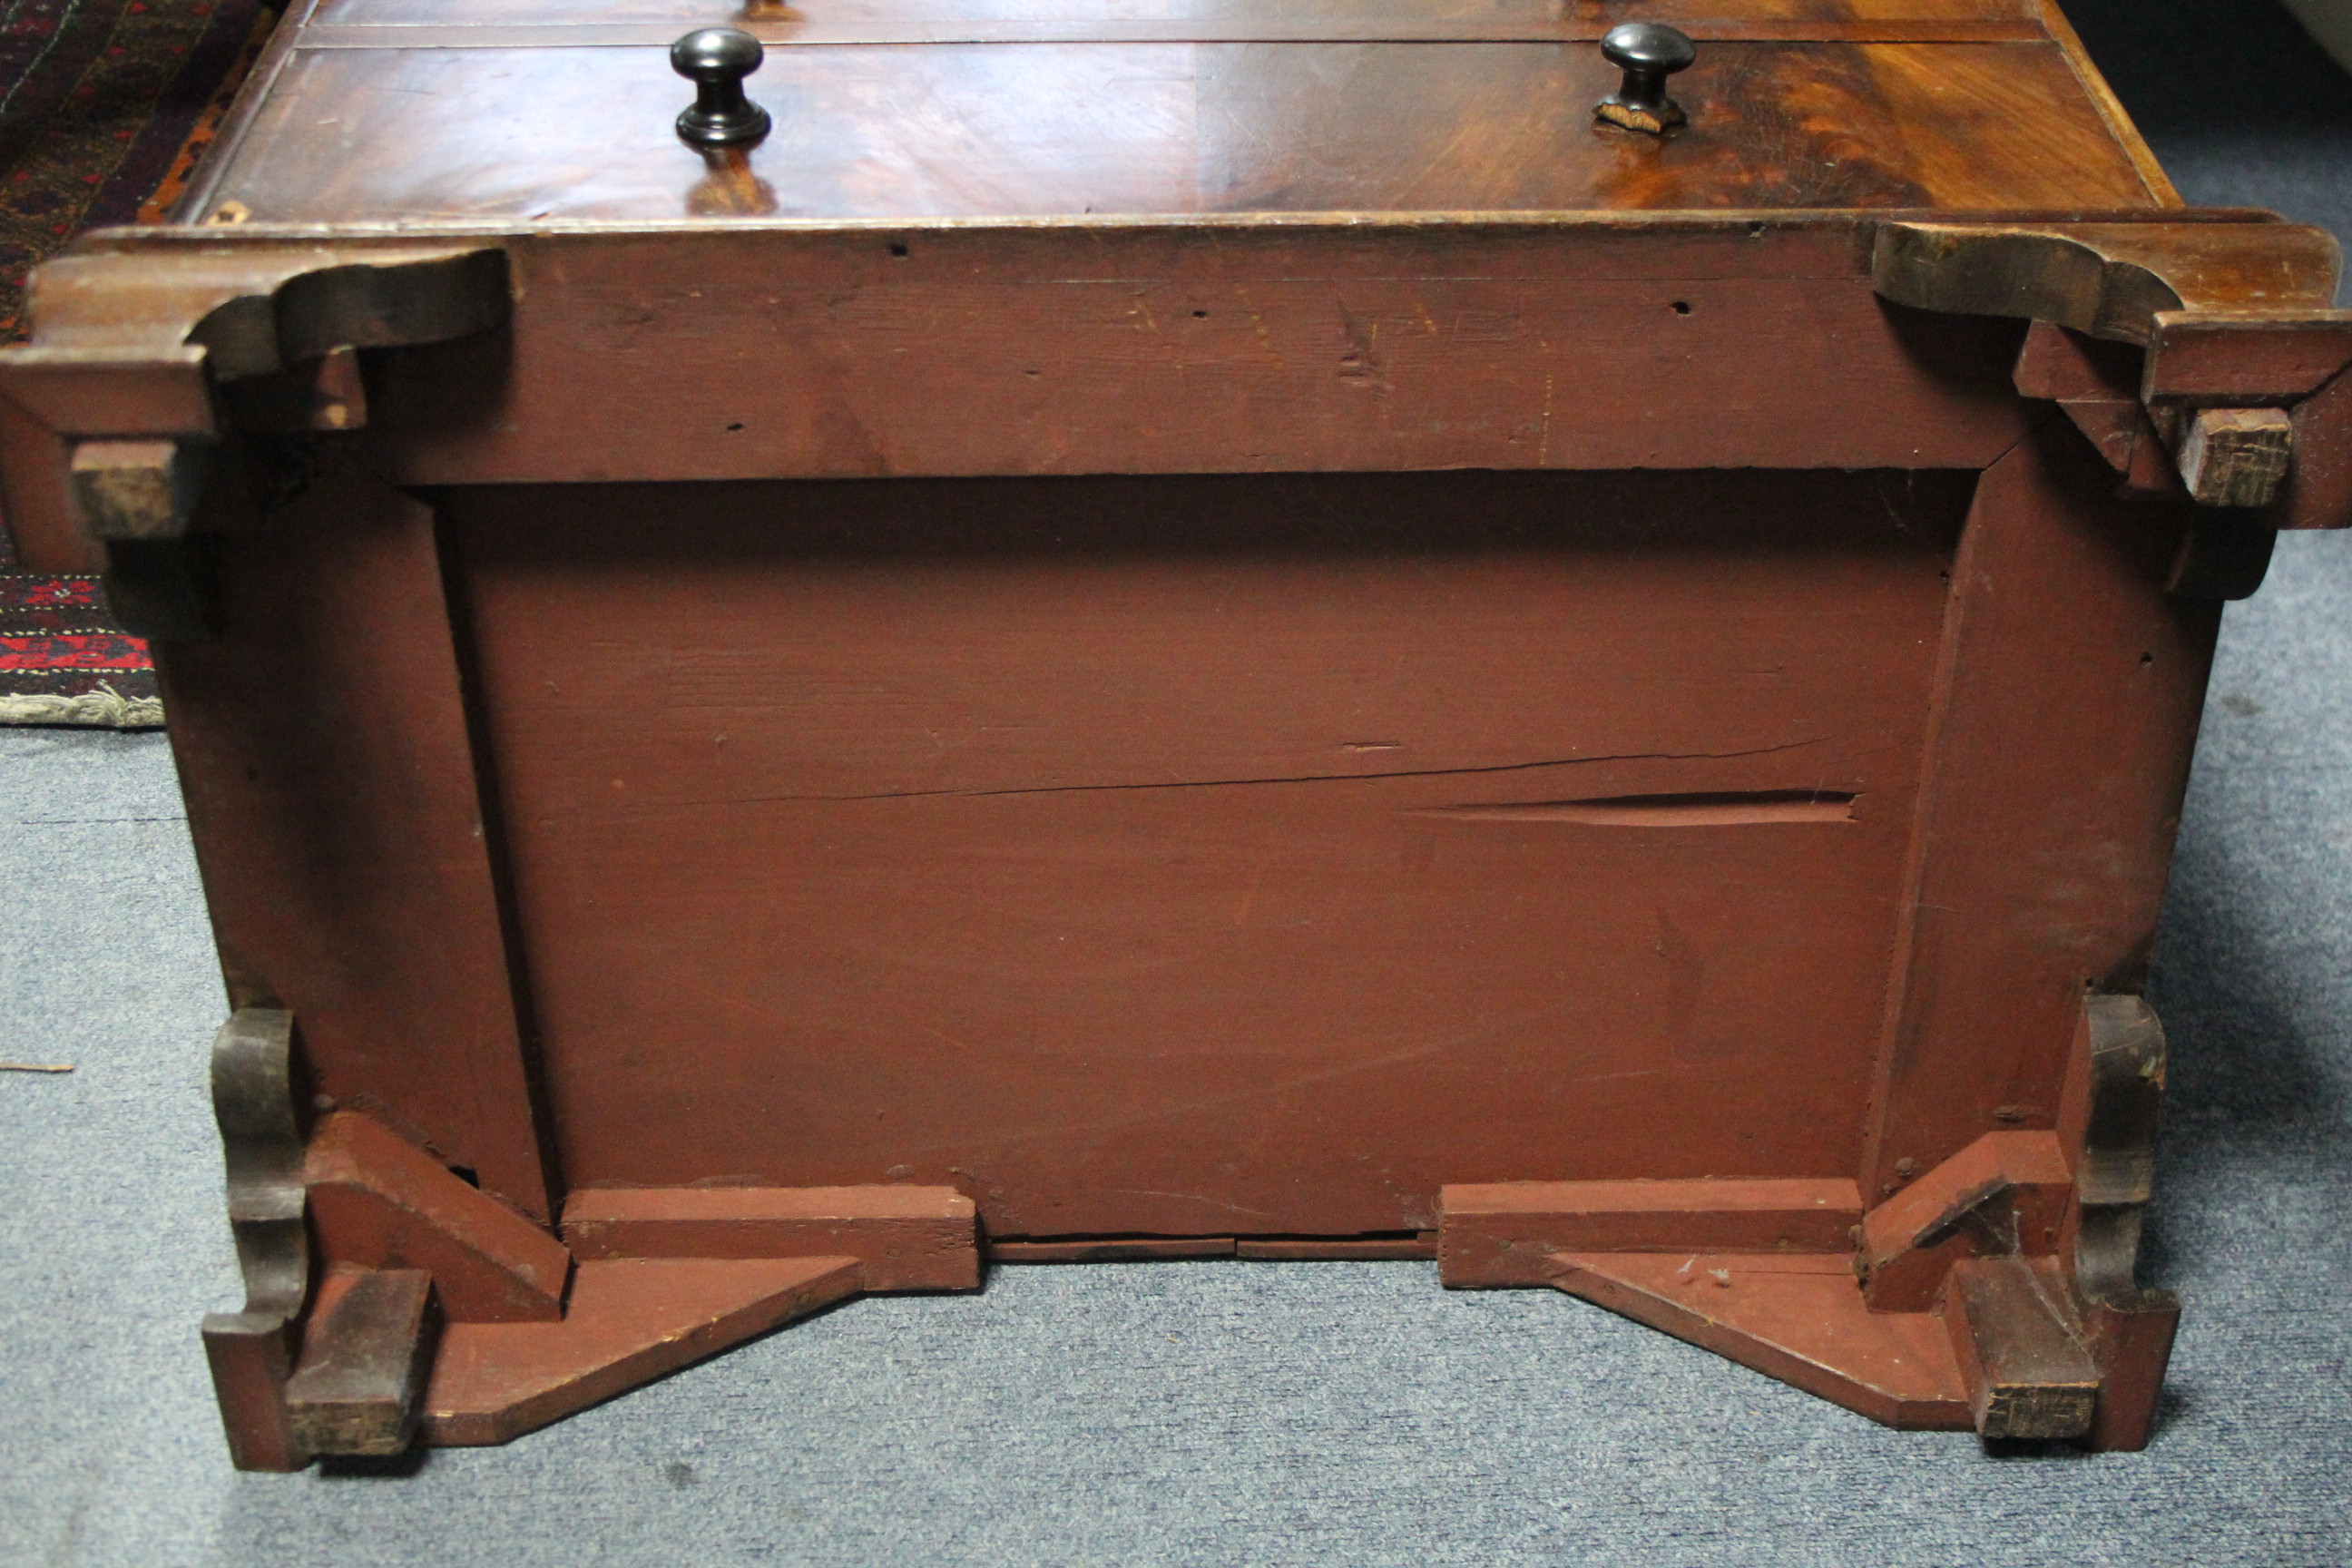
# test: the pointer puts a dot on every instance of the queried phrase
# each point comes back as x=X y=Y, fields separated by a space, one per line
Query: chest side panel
x=1212 y=854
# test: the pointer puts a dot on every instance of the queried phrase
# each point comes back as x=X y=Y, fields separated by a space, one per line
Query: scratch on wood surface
x=1727 y=809
x=1249 y=899
x=1297 y=779
x=1014 y=1136
x=1184 y=1197
x=947 y=1039
x=1257 y=324
x=1143 y=306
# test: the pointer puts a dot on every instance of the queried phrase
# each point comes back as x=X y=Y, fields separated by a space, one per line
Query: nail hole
x=1681 y=307
x=735 y=426
x=2147 y=658
x=899 y=248
x=1200 y=315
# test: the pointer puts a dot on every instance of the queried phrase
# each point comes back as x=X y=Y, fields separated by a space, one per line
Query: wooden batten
x=1508 y=1233
x=904 y=1238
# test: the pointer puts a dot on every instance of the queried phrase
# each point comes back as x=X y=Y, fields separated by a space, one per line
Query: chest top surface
x=423 y=112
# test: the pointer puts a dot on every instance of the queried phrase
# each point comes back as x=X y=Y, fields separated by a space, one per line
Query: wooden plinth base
x=627 y=1322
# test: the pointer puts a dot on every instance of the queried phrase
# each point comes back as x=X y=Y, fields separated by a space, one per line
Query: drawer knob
x=717 y=59
x=1648 y=53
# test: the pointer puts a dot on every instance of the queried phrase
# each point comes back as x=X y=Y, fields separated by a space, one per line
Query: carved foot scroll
x=254 y=1099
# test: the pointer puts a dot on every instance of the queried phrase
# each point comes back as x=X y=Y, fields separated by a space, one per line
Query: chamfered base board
x=1796 y=1317
x=628 y=1323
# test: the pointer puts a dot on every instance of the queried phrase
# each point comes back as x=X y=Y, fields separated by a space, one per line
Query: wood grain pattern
x=565 y=135
x=2053 y=20
x=1068 y=841
x=1577 y=17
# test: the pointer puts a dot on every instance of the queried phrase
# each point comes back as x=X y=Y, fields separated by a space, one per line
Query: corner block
x=380 y=1202
x=359 y=1385
x=2020 y=1349
x=2007 y=1191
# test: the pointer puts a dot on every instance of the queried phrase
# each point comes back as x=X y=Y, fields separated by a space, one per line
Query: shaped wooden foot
x=439 y=1315
x=1993 y=1292
x=251 y=1353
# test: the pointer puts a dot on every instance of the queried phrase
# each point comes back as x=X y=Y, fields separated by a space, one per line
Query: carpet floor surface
x=1246 y=1412
x=105 y=106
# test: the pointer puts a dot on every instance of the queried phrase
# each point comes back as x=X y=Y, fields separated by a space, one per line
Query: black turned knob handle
x=1648 y=53
x=717 y=59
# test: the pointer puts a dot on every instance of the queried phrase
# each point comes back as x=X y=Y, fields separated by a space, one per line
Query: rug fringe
x=104 y=708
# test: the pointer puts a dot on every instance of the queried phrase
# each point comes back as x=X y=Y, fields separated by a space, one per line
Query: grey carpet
x=1230 y=1413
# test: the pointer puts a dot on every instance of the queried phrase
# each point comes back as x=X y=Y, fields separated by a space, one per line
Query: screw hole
x=899 y=248
x=1681 y=307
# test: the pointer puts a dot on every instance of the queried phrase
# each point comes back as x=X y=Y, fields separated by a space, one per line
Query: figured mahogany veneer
x=1068 y=128
x=1157 y=631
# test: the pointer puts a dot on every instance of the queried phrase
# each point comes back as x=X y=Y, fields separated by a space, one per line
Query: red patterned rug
x=104 y=106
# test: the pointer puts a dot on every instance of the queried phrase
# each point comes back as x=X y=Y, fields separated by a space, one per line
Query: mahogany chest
x=1562 y=635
